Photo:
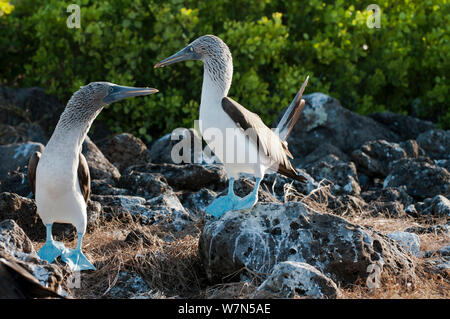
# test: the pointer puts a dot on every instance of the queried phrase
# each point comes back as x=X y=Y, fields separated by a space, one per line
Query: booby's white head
x=86 y=103
x=215 y=55
x=206 y=48
x=100 y=94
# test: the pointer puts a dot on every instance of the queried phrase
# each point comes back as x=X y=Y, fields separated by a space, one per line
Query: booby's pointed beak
x=118 y=93
x=187 y=53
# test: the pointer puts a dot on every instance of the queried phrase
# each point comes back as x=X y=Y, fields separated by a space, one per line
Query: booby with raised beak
x=59 y=177
x=263 y=149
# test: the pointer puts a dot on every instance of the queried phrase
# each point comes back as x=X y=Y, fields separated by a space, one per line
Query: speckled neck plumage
x=218 y=67
x=77 y=118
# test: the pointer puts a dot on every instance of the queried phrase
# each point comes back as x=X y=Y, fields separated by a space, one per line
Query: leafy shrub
x=401 y=67
x=5 y=7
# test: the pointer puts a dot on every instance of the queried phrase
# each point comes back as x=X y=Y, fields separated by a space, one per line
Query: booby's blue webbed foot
x=250 y=200
x=246 y=202
x=52 y=249
x=75 y=258
x=223 y=204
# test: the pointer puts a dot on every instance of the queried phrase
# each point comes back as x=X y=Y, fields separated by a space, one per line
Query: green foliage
x=5 y=7
x=401 y=67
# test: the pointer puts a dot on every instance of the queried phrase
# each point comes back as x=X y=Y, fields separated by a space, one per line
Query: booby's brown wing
x=32 y=165
x=266 y=140
x=84 y=178
x=18 y=283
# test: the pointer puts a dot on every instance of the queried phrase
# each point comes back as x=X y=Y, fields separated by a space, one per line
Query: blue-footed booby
x=59 y=177
x=265 y=149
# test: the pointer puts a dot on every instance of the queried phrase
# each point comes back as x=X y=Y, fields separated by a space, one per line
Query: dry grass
x=427 y=286
x=317 y=200
x=233 y=290
x=169 y=263
x=385 y=225
x=173 y=267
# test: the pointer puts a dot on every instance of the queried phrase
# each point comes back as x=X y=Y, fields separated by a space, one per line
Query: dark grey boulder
x=171 y=211
x=163 y=209
x=343 y=176
x=142 y=184
x=17 y=249
x=438 y=206
x=16 y=182
x=102 y=187
x=196 y=202
x=346 y=205
x=123 y=206
x=420 y=176
x=434 y=229
x=15 y=157
x=14 y=241
x=409 y=241
x=21 y=133
x=436 y=143
x=30 y=105
x=405 y=126
x=389 y=194
x=445 y=163
x=124 y=150
x=99 y=166
x=128 y=286
x=324 y=120
x=320 y=152
x=187 y=177
x=391 y=201
x=439 y=261
x=374 y=157
x=412 y=148
x=291 y=279
x=13 y=166
x=163 y=149
x=23 y=211
x=444 y=252
x=388 y=209
x=272 y=233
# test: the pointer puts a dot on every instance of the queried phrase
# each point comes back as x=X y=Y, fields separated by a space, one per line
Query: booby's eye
x=111 y=89
x=191 y=49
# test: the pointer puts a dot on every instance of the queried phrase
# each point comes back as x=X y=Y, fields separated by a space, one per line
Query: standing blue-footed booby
x=265 y=149
x=59 y=177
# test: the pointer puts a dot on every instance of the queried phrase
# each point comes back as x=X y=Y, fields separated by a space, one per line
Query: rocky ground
x=371 y=222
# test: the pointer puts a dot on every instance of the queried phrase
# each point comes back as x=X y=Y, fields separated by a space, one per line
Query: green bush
x=5 y=7
x=401 y=67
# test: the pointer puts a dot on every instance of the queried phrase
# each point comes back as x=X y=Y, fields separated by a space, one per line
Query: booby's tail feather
x=291 y=173
x=292 y=113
